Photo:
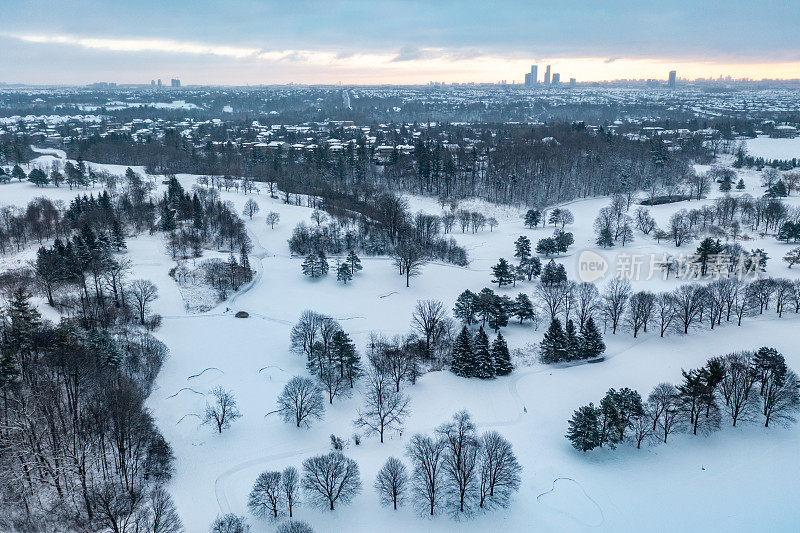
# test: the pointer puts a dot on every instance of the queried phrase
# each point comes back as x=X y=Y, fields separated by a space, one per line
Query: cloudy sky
x=393 y=41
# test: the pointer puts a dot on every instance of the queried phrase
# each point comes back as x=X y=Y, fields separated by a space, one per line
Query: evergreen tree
x=532 y=218
x=167 y=222
x=17 y=173
x=38 y=177
x=354 y=261
x=343 y=273
x=591 y=342
x=573 y=342
x=529 y=268
x=465 y=307
x=740 y=184
x=522 y=248
x=547 y=247
x=345 y=357
x=499 y=308
x=553 y=274
x=197 y=212
x=501 y=356
x=605 y=239
x=463 y=361
x=553 y=347
x=584 y=429
x=502 y=273
x=523 y=308
x=705 y=252
x=484 y=363
x=244 y=261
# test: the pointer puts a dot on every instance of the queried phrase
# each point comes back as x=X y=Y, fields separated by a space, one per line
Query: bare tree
x=330 y=478
x=689 y=301
x=223 y=411
x=384 y=407
x=391 y=482
x=429 y=321
x=736 y=386
x=301 y=401
x=251 y=208
x=426 y=454
x=319 y=217
x=586 y=300
x=665 y=310
x=409 y=259
x=780 y=395
x=395 y=358
x=640 y=309
x=499 y=471
x=615 y=300
x=290 y=486
x=144 y=293
x=265 y=498
x=294 y=526
x=163 y=517
x=230 y=523
x=272 y=219
x=460 y=461
x=664 y=403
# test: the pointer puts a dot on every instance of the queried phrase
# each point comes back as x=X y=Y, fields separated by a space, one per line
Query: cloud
x=610 y=60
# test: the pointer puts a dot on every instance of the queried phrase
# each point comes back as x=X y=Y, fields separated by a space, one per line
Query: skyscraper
x=672 y=75
x=556 y=78
x=175 y=82
x=547 y=75
x=532 y=77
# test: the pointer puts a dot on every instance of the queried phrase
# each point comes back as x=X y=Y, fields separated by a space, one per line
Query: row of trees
x=742 y=386
x=455 y=470
x=78 y=448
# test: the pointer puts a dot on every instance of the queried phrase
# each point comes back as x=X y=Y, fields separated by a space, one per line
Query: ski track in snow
x=571 y=515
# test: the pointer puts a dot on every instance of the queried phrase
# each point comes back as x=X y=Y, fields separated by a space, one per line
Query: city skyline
x=395 y=42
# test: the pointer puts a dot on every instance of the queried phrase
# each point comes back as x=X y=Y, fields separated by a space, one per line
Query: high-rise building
x=547 y=75
x=175 y=82
x=556 y=78
x=159 y=82
x=532 y=77
x=572 y=82
x=152 y=83
x=672 y=75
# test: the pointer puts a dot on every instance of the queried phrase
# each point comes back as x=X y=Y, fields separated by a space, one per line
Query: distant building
x=159 y=82
x=152 y=83
x=556 y=78
x=784 y=132
x=175 y=82
x=572 y=82
x=532 y=77
x=672 y=75
x=547 y=75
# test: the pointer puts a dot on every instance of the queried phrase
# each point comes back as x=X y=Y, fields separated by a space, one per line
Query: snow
x=770 y=148
x=742 y=478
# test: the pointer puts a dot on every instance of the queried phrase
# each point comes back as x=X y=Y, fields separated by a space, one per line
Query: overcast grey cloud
x=733 y=31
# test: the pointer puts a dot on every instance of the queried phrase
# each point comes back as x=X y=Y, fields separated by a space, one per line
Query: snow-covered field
x=769 y=148
x=740 y=479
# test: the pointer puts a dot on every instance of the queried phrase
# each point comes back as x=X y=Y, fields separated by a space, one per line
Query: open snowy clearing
x=735 y=479
x=769 y=148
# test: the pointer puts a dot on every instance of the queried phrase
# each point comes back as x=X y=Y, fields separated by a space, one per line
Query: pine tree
x=484 y=363
x=740 y=184
x=591 y=342
x=343 y=273
x=462 y=356
x=501 y=356
x=17 y=173
x=529 y=268
x=605 y=239
x=117 y=235
x=573 y=342
x=345 y=357
x=309 y=265
x=23 y=320
x=584 y=429
x=523 y=308
x=532 y=218
x=167 y=222
x=38 y=177
x=197 y=212
x=322 y=263
x=553 y=274
x=244 y=262
x=354 y=261
x=522 y=248
x=553 y=347
x=502 y=273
